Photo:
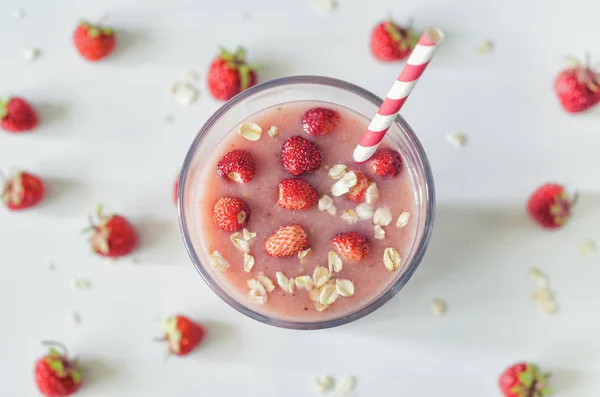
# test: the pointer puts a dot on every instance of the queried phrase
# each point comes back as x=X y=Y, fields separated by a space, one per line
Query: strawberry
x=352 y=246
x=524 y=380
x=320 y=121
x=296 y=194
x=237 y=166
x=55 y=374
x=299 y=155
x=386 y=162
x=357 y=192
x=287 y=241
x=229 y=75
x=182 y=334
x=391 y=42
x=176 y=190
x=23 y=190
x=231 y=213
x=94 y=42
x=17 y=115
x=112 y=235
x=550 y=206
x=578 y=87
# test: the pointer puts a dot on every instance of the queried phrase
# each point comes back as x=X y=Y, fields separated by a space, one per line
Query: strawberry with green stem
x=112 y=235
x=17 y=115
x=182 y=335
x=57 y=375
x=578 y=86
x=22 y=190
x=392 y=42
x=550 y=205
x=94 y=42
x=229 y=74
x=524 y=380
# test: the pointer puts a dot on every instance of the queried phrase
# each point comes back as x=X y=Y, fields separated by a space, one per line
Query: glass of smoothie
x=280 y=221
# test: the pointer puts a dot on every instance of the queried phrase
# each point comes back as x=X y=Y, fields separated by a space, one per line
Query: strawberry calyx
x=99 y=239
x=96 y=30
x=13 y=190
x=172 y=335
x=3 y=107
x=58 y=361
x=585 y=74
x=532 y=383
x=561 y=209
x=237 y=61
x=405 y=37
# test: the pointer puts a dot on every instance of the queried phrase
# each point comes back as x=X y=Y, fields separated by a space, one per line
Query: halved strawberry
x=296 y=194
x=287 y=241
x=237 y=166
x=352 y=246
x=386 y=162
x=320 y=121
x=231 y=213
x=23 y=190
x=357 y=192
x=299 y=155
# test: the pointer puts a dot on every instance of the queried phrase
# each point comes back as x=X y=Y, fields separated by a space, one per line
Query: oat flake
x=323 y=6
x=365 y=211
x=438 y=307
x=248 y=235
x=345 y=386
x=372 y=193
x=350 y=216
x=248 y=262
x=403 y=219
x=457 y=139
x=344 y=287
x=321 y=276
x=81 y=283
x=324 y=383
x=283 y=281
x=31 y=54
x=250 y=131
x=266 y=281
x=337 y=171
x=587 y=247
x=379 y=232
x=334 y=262
x=303 y=253
x=391 y=259
x=218 y=262
x=485 y=47
x=304 y=282
x=343 y=186
x=184 y=93
x=382 y=216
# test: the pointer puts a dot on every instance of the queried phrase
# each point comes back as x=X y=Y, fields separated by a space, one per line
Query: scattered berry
x=229 y=75
x=231 y=213
x=524 y=380
x=182 y=334
x=391 y=42
x=386 y=162
x=299 y=155
x=56 y=375
x=550 y=206
x=237 y=166
x=22 y=191
x=287 y=241
x=94 y=42
x=112 y=236
x=17 y=115
x=176 y=190
x=352 y=246
x=357 y=192
x=578 y=87
x=296 y=194
x=320 y=121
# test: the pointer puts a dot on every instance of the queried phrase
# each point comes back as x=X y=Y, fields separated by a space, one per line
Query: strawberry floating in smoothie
x=56 y=374
x=550 y=206
x=524 y=380
x=22 y=190
x=320 y=121
x=17 y=115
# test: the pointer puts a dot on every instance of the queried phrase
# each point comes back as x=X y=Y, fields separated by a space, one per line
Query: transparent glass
x=272 y=93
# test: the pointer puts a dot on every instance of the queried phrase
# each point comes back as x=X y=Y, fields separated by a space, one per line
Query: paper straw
x=415 y=66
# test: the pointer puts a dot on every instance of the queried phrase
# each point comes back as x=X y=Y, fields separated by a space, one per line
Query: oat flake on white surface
x=218 y=262
x=350 y=216
x=334 y=262
x=272 y=132
x=81 y=283
x=323 y=6
x=324 y=383
x=457 y=139
x=438 y=307
x=250 y=131
x=72 y=318
x=391 y=259
x=403 y=220
x=337 y=171
x=485 y=47
x=31 y=54
x=345 y=386
x=344 y=287
x=538 y=276
x=248 y=262
x=305 y=282
x=184 y=93
x=382 y=216
x=379 y=232
x=587 y=247
x=372 y=193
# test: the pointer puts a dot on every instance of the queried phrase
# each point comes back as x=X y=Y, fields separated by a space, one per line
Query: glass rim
x=429 y=202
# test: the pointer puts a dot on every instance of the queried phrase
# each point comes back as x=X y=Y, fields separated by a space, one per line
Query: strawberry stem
x=51 y=344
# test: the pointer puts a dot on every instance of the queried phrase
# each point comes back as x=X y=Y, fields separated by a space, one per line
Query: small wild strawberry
x=524 y=380
x=23 y=190
x=229 y=74
x=17 y=115
x=94 y=42
x=392 y=42
x=112 y=235
x=231 y=213
x=550 y=206
x=57 y=375
x=182 y=335
x=578 y=87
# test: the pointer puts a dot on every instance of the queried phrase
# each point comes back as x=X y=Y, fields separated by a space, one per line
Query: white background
x=101 y=140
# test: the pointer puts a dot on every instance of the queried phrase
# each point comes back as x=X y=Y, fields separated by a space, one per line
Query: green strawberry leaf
x=226 y=55
x=108 y=31
x=54 y=353
x=3 y=108
x=57 y=366
x=94 y=32
x=244 y=73
x=526 y=378
x=393 y=31
x=76 y=376
x=240 y=54
x=546 y=391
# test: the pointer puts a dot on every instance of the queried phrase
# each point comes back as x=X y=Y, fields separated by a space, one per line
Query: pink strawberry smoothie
x=370 y=276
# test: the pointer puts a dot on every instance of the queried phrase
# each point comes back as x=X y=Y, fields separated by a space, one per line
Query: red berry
x=22 y=191
x=578 y=88
x=112 y=236
x=56 y=375
x=320 y=121
x=550 y=206
x=299 y=155
x=182 y=334
x=391 y=42
x=229 y=75
x=357 y=192
x=231 y=213
x=17 y=115
x=386 y=162
x=287 y=241
x=237 y=166
x=296 y=194
x=524 y=380
x=94 y=42
x=352 y=246
x=176 y=190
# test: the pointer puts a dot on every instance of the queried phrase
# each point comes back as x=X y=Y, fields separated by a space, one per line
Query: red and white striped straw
x=414 y=68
